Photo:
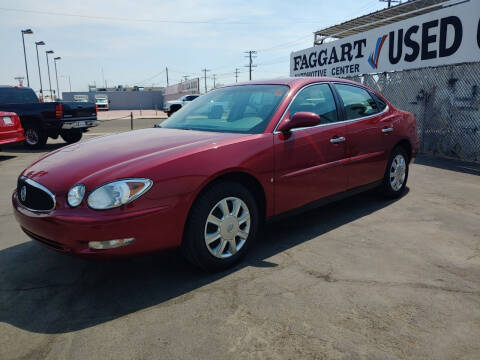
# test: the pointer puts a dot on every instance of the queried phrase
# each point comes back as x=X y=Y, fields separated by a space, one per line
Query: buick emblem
x=23 y=193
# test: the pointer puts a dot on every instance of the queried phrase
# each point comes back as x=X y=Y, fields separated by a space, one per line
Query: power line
x=250 y=56
x=161 y=21
x=152 y=77
x=390 y=2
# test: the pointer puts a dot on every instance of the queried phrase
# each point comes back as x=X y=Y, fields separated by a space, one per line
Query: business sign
x=191 y=86
x=447 y=36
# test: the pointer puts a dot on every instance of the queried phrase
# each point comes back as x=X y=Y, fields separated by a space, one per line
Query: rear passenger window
x=381 y=103
x=317 y=99
x=357 y=101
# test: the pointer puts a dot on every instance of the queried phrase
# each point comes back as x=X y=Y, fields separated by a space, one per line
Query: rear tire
x=35 y=138
x=71 y=137
x=222 y=225
x=396 y=173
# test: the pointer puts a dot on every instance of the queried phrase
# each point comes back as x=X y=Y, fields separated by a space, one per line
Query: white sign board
x=191 y=86
x=447 y=36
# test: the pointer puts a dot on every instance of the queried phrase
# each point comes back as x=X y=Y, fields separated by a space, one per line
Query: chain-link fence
x=446 y=102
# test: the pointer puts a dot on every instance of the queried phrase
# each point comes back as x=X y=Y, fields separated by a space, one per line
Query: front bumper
x=69 y=230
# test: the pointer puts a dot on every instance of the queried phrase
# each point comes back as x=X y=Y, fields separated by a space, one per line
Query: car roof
x=294 y=82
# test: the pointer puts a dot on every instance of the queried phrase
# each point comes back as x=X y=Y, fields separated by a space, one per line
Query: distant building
x=124 y=98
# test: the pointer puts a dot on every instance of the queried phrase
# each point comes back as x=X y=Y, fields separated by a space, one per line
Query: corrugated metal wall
x=124 y=100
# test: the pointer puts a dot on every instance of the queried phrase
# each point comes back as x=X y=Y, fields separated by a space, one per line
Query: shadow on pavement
x=6 y=157
x=449 y=164
x=20 y=148
x=45 y=292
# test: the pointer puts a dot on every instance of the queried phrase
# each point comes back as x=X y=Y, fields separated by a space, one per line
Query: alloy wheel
x=227 y=227
x=398 y=172
x=31 y=137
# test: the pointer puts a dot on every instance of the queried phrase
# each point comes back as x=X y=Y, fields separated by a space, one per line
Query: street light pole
x=56 y=74
x=27 y=31
x=48 y=69
x=38 y=62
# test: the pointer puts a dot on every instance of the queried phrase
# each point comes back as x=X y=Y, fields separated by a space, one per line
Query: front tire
x=222 y=225
x=71 y=137
x=35 y=138
x=396 y=174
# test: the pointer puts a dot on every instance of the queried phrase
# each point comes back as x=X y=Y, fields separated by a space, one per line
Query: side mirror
x=300 y=120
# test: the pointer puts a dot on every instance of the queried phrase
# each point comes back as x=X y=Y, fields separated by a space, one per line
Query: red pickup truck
x=10 y=128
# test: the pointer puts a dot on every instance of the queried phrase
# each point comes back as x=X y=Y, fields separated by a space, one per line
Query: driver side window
x=317 y=99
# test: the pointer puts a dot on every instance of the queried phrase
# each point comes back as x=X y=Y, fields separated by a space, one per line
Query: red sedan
x=10 y=128
x=207 y=178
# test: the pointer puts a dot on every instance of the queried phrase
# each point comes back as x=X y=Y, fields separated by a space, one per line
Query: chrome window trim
x=41 y=187
x=275 y=132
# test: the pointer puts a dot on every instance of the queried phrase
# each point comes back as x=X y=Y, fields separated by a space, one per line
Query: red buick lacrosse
x=207 y=178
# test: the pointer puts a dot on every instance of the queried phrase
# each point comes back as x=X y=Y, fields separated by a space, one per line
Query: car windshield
x=236 y=109
x=101 y=101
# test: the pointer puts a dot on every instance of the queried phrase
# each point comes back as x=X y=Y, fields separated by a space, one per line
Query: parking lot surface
x=363 y=278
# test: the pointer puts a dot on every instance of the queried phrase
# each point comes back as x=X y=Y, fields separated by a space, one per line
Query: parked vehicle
x=42 y=120
x=80 y=98
x=11 y=130
x=175 y=105
x=102 y=102
x=209 y=176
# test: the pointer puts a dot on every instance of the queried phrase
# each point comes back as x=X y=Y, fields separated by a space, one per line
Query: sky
x=134 y=41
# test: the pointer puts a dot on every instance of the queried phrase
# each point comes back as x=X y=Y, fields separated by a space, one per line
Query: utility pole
x=56 y=74
x=250 y=55
x=205 y=77
x=390 y=2
x=37 y=43
x=48 y=68
x=27 y=31
x=166 y=70
x=237 y=70
x=214 y=78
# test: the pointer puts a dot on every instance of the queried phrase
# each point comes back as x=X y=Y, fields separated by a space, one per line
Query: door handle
x=387 y=130
x=337 y=140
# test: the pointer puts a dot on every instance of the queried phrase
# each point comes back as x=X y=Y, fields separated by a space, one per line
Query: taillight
x=59 y=111
x=16 y=119
x=96 y=108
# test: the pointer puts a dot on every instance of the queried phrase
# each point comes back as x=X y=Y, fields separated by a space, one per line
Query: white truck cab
x=174 y=105
x=102 y=102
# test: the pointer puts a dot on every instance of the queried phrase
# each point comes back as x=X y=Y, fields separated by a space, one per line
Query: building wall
x=124 y=100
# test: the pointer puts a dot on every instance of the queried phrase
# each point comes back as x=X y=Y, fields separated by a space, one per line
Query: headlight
x=118 y=193
x=75 y=195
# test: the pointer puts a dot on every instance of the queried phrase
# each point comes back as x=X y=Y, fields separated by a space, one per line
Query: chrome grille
x=35 y=196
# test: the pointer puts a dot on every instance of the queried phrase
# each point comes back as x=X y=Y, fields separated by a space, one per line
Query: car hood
x=123 y=155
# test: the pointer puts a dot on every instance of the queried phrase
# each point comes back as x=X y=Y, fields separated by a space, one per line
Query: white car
x=174 y=105
x=102 y=102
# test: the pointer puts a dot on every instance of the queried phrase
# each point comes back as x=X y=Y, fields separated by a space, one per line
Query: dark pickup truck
x=50 y=119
